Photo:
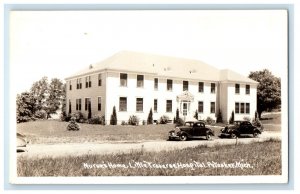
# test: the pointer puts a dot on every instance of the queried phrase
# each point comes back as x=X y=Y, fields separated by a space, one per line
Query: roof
x=165 y=66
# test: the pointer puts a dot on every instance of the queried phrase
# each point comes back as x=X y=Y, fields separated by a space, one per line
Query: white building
x=135 y=82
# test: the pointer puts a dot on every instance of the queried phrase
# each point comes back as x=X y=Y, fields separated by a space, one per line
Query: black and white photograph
x=149 y=96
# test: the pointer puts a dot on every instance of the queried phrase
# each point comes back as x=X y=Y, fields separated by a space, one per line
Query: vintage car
x=191 y=130
x=240 y=128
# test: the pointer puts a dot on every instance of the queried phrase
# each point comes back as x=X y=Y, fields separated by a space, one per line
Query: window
x=201 y=87
x=70 y=85
x=247 y=108
x=139 y=81
x=99 y=79
x=155 y=83
x=237 y=88
x=212 y=107
x=169 y=106
x=123 y=104
x=70 y=107
x=212 y=88
x=99 y=103
x=139 y=104
x=79 y=84
x=200 y=106
x=88 y=82
x=169 y=84
x=78 y=104
x=242 y=107
x=247 y=89
x=87 y=104
x=185 y=86
x=155 y=105
x=123 y=79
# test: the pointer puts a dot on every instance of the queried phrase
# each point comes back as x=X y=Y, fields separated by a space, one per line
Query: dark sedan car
x=240 y=128
x=191 y=130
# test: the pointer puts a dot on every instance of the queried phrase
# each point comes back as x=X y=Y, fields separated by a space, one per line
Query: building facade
x=136 y=82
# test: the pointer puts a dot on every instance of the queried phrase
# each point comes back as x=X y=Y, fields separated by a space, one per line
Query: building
x=135 y=82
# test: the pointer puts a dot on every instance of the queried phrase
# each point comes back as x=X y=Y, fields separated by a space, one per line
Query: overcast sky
x=57 y=44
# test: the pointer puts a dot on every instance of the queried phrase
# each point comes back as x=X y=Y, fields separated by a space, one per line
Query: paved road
x=77 y=149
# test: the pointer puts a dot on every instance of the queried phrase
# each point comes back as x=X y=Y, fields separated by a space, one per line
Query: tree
x=177 y=115
x=231 y=120
x=268 y=90
x=39 y=90
x=219 y=117
x=55 y=97
x=26 y=104
x=196 y=115
x=113 y=117
x=150 y=117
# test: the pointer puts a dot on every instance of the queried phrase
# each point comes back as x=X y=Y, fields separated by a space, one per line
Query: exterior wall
x=93 y=92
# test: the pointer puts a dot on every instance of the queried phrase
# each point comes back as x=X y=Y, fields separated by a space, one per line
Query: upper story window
x=99 y=79
x=139 y=81
x=169 y=84
x=155 y=83
x=201 y=87
x=79 y=84
x=139 y=104
x=123 y=104
x=247 y=89
x=123 y=79
x=237 y=88
x=212 y=88
x=88 y=82
x=70 y=85
x=185 y=86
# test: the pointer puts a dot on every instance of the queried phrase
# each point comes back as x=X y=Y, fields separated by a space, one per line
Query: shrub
x=177 y=115
x=180 y=122
x=95 y=120
x=144 y=122
x=73 y=126
x=40 y=114
x=64 y=117
x=133 y=120
x=209 y=120
x=78 y=117
x=196 y=115
x=231 y=120
x=246 y=119
x=219 y=117
x=164 y=119
x=150 y=117
x=258 y=123
x=124 y=123
x=113 y=117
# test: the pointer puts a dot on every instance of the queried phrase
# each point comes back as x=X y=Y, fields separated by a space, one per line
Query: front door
x=184 y=108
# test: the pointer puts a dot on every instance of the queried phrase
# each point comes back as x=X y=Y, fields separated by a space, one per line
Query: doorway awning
x=185 y=96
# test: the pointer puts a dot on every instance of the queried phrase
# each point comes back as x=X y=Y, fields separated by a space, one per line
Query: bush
x=96 y=120
x=40 y=114
x=164 y=119
x=196 y=115
x=144 y=122
x=64 y=117
x=231 y=120
x=180 y=122
x=209 y=120
x=78 y=117
x=177 y=115
x=150 y=117
x=124 y=123
x=258 y=123
x=73 y=126
x=113 y=117
x=133 y=120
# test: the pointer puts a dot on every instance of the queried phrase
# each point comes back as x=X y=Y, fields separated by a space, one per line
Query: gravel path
x=77 y=149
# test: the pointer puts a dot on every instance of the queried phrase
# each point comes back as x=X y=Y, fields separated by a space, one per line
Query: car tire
x=255 y=134
x=209 y=137
x=233 y=135
x=183 y=137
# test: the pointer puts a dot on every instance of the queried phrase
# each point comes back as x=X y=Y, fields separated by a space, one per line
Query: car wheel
x=183 y=137
x=233 y=135
x=255 y=134
x=208 y=137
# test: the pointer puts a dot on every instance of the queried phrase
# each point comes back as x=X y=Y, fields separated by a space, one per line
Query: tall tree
x=39 y=90
x=26 y=104
x=150 y=117
x=268 y=90
x=55 y=94
x=113 y=117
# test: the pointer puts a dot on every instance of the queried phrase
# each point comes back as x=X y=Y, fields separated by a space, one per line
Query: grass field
x=264 y=158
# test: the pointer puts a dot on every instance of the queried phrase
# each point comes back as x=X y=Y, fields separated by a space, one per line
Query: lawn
x=263 y=158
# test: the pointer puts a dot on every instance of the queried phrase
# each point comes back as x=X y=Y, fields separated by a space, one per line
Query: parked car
x=240 y=128
x=191 y=130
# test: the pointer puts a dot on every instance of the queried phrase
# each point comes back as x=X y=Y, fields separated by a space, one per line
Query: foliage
x=96 y=120
x=258 y=123
x=65 y=117
x=40 y=114
x=180 y=122
x=209 y=120
x=164 y=119
x=78 y=116
x=113 y=117
x=54 y=98
x=25 y=107
x=133 y=120
x=39 y=90
x=231 y=120
x=196 y=115
x=124 y=123
x=177 y=115
x=144 y=122
x=73 y=126
x=268 y=90
x=150 y=117
x=219 y=117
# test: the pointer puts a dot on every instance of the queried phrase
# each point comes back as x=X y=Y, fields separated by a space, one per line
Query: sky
x=60 y=43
